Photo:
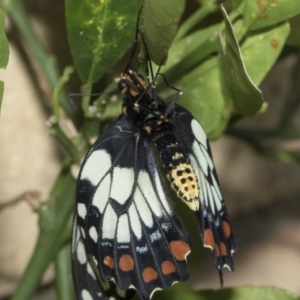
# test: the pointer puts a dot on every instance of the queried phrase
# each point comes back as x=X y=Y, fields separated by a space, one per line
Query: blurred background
x=261 y=186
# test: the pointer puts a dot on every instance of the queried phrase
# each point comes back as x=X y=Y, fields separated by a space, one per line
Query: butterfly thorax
x=137 y=98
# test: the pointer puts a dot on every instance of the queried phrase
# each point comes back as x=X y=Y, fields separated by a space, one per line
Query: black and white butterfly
x=126 y=233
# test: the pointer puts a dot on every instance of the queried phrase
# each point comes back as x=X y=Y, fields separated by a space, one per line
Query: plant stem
x=63 y=274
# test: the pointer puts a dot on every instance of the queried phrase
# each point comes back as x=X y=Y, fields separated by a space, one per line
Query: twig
x=29 y=197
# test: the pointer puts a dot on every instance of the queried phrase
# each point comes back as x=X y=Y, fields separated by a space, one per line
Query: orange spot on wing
x=217 y=250
x=223 y=249
x=180 y=249
x=167 y=267
x=208 y=239
x=149 y=274
x=226 y=229
x=109 y=261
x=126 y=263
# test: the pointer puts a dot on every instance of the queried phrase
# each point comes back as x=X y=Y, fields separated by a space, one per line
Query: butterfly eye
x=122 y=84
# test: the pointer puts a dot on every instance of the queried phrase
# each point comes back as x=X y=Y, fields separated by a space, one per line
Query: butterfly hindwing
x=131 y=233
x=215 y=230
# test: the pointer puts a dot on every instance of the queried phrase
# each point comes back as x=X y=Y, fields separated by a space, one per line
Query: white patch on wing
x=135 y=221
x=85 y=294
x=95 y=167
x=82 y=232
x=142 y=250
x=153 y=291
x=93 y=234
x=106 y=244
x=216 y=198
x=143 y=208
x=208 y=158
x=91 y=271
x=155 y=236
x=102 y=193
x=203 y=189
x=166 y=226
x=199 y=132
x=81 y=210
x=217 y=187
x=109 y=223
x=123 y=247
x=161 y=194
x=123 y=235
x=122 y=184
x=81 y=255
x=200 y=158
x=210 y=198
x=146 y=186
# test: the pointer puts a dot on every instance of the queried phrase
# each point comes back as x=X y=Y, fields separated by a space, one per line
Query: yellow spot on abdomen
x=184 y=182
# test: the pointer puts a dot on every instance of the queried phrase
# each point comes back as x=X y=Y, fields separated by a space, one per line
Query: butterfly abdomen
x=179 y=170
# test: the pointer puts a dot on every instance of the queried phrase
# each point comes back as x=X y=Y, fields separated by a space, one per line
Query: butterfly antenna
x=73 y=95
x=179 y=93
x=134 y=47
x=150 y=75
x=152 y=78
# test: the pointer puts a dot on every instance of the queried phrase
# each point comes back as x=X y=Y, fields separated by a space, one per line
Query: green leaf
x=202 y=92
x=195 y=18
x=242 y=293
x=202 y=95
x=195 y=44
x=260 y=51
x=236 y=3
x=99 y=32
x=262 y=13
x=160 y=22
x=237 y=86
x=4 y=51
x=190 y=52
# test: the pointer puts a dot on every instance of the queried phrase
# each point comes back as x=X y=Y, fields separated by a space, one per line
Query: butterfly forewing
x=212 y=217
x=129 y=228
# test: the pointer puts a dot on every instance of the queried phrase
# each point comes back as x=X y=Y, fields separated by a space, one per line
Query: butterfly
x=126 y=233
